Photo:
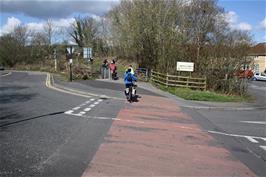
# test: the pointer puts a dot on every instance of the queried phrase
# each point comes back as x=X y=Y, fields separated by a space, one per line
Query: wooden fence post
x=167 y=79
x=205 y=83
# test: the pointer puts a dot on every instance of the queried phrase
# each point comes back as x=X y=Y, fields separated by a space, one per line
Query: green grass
x=198 y=95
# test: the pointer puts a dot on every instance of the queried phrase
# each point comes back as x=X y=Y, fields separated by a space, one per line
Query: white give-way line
x=255 y=122
x=250 y=138
x=6 y=74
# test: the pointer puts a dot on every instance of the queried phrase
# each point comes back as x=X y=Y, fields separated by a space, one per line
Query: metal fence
x=179 y=81
x=142 y=74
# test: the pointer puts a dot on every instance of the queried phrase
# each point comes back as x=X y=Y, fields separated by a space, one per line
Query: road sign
x=185 y=66
x=54 y=53
x=87 y=52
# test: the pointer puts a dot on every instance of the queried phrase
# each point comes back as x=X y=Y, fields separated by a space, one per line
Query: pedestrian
x=105 y=67
x=113 y=69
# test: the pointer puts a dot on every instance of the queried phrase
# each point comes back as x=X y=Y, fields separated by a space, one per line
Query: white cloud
x=63 y=22
x=9 y=27
x=96 y=17
x=57 y=24
x=36 y=27
x=13 y=22
x=263 y=24
x=232 y=19
x=244 y=26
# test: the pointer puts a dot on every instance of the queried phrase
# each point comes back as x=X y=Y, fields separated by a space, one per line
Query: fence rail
x=178 y=81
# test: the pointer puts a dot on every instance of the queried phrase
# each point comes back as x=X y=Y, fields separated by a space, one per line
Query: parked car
x=245 y=73
x=259 y=77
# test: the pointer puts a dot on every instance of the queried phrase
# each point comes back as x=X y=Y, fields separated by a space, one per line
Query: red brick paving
x=167 y=143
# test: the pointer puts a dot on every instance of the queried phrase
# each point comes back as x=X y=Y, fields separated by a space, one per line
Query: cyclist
x=129 y=80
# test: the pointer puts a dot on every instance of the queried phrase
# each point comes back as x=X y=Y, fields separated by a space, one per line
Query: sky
x=246 y=15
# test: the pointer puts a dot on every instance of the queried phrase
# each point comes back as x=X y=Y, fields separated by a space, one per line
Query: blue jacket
x=134 y=78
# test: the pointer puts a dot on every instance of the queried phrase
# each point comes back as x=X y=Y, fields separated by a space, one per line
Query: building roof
x=258 y=50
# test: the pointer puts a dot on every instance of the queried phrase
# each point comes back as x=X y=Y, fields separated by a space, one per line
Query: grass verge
x=198 y=95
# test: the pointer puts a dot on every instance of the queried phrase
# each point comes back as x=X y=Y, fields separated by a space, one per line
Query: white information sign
x=87 y=53
x=185 y=66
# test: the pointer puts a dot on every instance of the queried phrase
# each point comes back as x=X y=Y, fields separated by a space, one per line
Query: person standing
x=105 y=67
x=113 y=69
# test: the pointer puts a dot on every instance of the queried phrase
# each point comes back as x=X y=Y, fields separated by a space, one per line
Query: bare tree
x=49 y=30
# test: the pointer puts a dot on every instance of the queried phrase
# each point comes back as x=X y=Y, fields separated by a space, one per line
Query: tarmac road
x=243 y=132
x=38 y=138
x=45 y=132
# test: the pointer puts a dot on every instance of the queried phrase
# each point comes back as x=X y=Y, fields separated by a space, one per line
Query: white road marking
x=106 y=118
x=112 y=118
x=76 y=108
x=87 y=109
x=243 y=136
x=255 y=122
x=82 y=113
x=69 y=112
x=92 y=99
x=93 y=105
x=96 y=103
x=251 y=139
x=88 y=102
x=6 y=74
x=263 y=147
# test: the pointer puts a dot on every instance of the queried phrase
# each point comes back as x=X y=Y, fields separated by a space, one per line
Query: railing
x=178 y=81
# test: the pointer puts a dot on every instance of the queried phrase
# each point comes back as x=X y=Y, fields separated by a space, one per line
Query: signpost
x=55 y=62
x=70 y=51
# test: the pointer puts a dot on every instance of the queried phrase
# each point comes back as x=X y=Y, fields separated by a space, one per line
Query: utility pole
x=70 y=58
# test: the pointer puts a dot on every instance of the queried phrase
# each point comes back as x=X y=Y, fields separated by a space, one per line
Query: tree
x=84 y=31
x=39 y=47
x=49 y=30
x=146 y=31
x=13 y=47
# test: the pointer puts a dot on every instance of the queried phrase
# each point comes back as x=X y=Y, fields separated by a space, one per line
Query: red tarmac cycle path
x=155 y=138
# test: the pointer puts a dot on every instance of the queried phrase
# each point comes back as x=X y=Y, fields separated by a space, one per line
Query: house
x=258 y=53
